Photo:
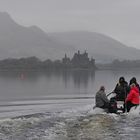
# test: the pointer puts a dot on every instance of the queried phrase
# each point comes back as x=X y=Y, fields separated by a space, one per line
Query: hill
x=20 y=41
x=101 y=47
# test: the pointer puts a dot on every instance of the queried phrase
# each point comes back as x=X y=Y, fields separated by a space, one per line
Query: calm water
x=54 y=106
x=34 y=84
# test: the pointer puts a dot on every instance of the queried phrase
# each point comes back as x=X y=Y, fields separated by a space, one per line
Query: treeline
x=80 y=61
x=22 y=63
x=117 y=64
x=29 y=63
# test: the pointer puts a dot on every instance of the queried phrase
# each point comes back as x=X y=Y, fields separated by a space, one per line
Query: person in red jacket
x=133 y=97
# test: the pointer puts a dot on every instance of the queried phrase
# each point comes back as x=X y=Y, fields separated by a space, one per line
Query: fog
x=118 y=19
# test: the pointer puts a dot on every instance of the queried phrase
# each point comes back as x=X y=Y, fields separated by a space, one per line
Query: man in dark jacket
x=121 y=89
x=101 y=98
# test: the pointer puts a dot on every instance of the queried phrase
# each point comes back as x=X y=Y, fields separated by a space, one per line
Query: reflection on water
x=80 y=78
x=25 y=84
x=36 y=83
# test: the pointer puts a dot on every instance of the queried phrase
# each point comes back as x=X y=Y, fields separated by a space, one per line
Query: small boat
x=118 y=107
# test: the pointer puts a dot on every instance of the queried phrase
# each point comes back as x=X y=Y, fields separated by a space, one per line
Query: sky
x=119 y=19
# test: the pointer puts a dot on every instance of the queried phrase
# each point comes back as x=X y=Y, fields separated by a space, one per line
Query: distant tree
x=33 y=63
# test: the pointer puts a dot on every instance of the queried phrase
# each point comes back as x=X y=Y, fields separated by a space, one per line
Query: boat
x=117 y=107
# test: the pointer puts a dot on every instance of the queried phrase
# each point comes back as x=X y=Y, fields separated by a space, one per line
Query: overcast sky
x=119 y=19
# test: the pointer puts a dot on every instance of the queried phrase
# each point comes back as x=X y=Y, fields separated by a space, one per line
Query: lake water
x=67 y=83
x=58 y=105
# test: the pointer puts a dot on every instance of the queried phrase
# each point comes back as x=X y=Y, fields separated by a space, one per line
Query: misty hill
x=101 y=47
x=19 y=41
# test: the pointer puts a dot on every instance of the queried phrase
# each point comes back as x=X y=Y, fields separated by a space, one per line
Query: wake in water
x=69 y=124
x=77 y=122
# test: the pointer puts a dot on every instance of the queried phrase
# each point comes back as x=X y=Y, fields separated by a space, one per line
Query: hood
x=135 y=89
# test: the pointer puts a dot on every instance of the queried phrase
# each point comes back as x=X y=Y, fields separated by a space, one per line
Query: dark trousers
x=129 y=105
x=106 y=105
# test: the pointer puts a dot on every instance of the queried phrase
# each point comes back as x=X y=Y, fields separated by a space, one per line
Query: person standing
x=121 y=89
x=132 y=98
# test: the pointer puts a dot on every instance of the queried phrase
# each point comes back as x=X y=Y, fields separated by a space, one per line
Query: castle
x=79 y=60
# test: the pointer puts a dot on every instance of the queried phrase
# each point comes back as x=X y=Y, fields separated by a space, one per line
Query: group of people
x=129 y=93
